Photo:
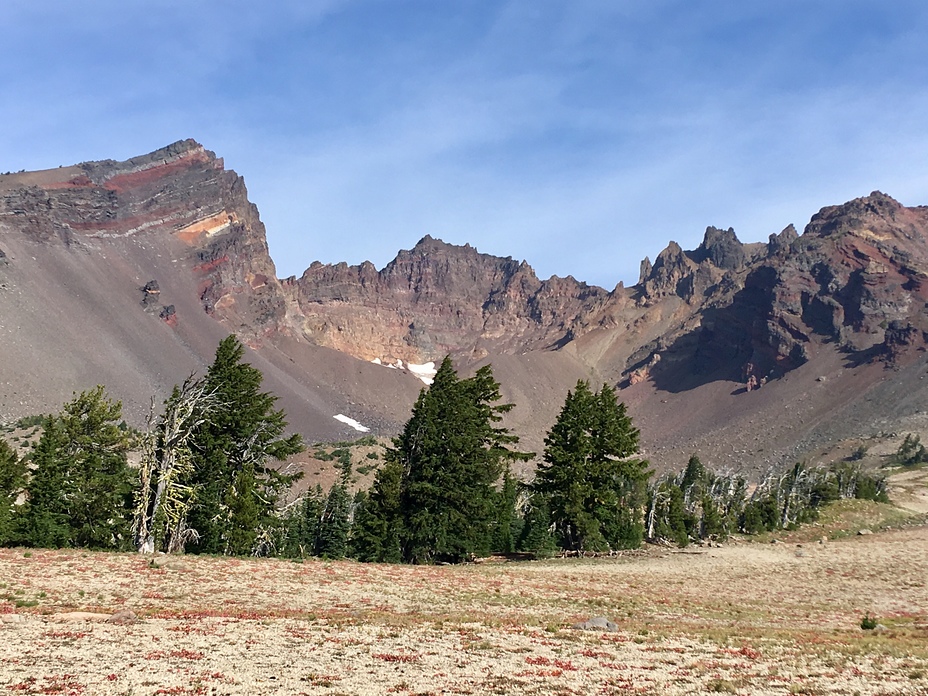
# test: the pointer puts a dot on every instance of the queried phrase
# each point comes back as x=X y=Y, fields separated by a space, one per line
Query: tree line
x=208 y=480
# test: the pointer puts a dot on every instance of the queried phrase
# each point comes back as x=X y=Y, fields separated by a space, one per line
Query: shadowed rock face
x=857 y=269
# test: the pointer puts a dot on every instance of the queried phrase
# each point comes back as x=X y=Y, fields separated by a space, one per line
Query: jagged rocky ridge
x=177 y=234
x=855 y=278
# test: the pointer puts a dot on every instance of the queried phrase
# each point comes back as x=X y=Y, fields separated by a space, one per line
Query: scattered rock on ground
x=597 y=623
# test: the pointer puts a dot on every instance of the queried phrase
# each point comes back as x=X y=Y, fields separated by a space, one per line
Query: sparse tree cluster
x=208 y=480
x=697 y=504
x=204 y=483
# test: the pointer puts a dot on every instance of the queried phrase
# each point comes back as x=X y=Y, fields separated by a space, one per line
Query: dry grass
x=747 y=618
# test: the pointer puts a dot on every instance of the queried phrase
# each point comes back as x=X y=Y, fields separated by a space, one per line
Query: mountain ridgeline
x=129 y=273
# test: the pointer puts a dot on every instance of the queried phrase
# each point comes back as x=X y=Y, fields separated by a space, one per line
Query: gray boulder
x=597 y=623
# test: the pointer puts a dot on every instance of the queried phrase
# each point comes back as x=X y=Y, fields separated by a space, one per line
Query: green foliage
x=80 y=492
x=452 y=453
x=537 y=536
x=301 y=525
x=868 y=623
x=378 y=518
x=434 y=499
x=858 y=454
x=707 y=506
x=30 y=421
x=335 y=523
x=12 y=484
x=911 y=452
x=593 y=486
x=506 y=523
x=237 y=491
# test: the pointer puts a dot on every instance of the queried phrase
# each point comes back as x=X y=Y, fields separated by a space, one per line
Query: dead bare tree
x=164 y=495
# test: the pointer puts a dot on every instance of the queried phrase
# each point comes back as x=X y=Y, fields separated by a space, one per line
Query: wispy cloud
x=580 y=136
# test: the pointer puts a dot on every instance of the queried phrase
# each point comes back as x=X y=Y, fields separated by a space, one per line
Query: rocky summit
x=753 y=355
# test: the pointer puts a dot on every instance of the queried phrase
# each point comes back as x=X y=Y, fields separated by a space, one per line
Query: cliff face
x=182 y=191
x=438 y=299
x=128 y=273
x=855 y=279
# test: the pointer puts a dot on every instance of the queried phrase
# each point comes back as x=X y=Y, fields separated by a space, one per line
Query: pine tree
x=593 y=486
x=44 y=521
x=536 y=536
x=237 y=490
x=12 y=484
x=335 y=522
x=506 y=523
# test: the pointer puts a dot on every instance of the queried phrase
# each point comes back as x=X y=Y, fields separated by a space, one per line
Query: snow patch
x=352 y=422
x=424 y=372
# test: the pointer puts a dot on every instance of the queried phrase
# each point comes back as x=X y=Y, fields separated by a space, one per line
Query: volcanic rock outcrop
x=437 y=299
x=181 y=190
x=128 y=274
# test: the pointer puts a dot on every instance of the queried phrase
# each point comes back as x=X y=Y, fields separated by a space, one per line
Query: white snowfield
x=424 y=372
x=352 y=422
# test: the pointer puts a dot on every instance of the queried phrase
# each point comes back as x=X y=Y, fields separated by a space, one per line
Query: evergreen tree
x=911 y=451
x=300 y=525
x=335 y=522
x=536 y=536
x=378 y=520
x=451 y=452
x=80 y=492
x=44 y=521
x=593 y=486
x=506 y=524
x=236 y=489
x=12 y=484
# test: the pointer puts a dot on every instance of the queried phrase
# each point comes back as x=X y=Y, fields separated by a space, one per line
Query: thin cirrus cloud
x=579 y=136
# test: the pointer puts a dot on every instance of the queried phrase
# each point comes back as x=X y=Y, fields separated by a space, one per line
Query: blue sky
x=579 y=135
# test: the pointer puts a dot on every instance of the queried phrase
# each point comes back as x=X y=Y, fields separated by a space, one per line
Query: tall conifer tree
x=80 y=492
x=12 y=483
x=237 y=489
x=591 y=483
x=450 y=454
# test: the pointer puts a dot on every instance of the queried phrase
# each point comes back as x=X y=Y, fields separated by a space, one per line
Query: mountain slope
x=129 y=273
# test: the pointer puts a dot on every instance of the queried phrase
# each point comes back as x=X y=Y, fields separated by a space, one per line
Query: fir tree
x=593 y=486
x=12 y=484
x=335 y=522
x=536 y=536
x=237 y=489
x=44 y=521
x=452 y=452
x=506 y=523
x=80 y=492
x=300 y=524
x=378 y=519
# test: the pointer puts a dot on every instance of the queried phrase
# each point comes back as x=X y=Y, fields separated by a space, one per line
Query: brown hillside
x=753 y=355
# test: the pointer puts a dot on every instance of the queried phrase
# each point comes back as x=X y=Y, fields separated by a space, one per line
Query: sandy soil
x=747 y=618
